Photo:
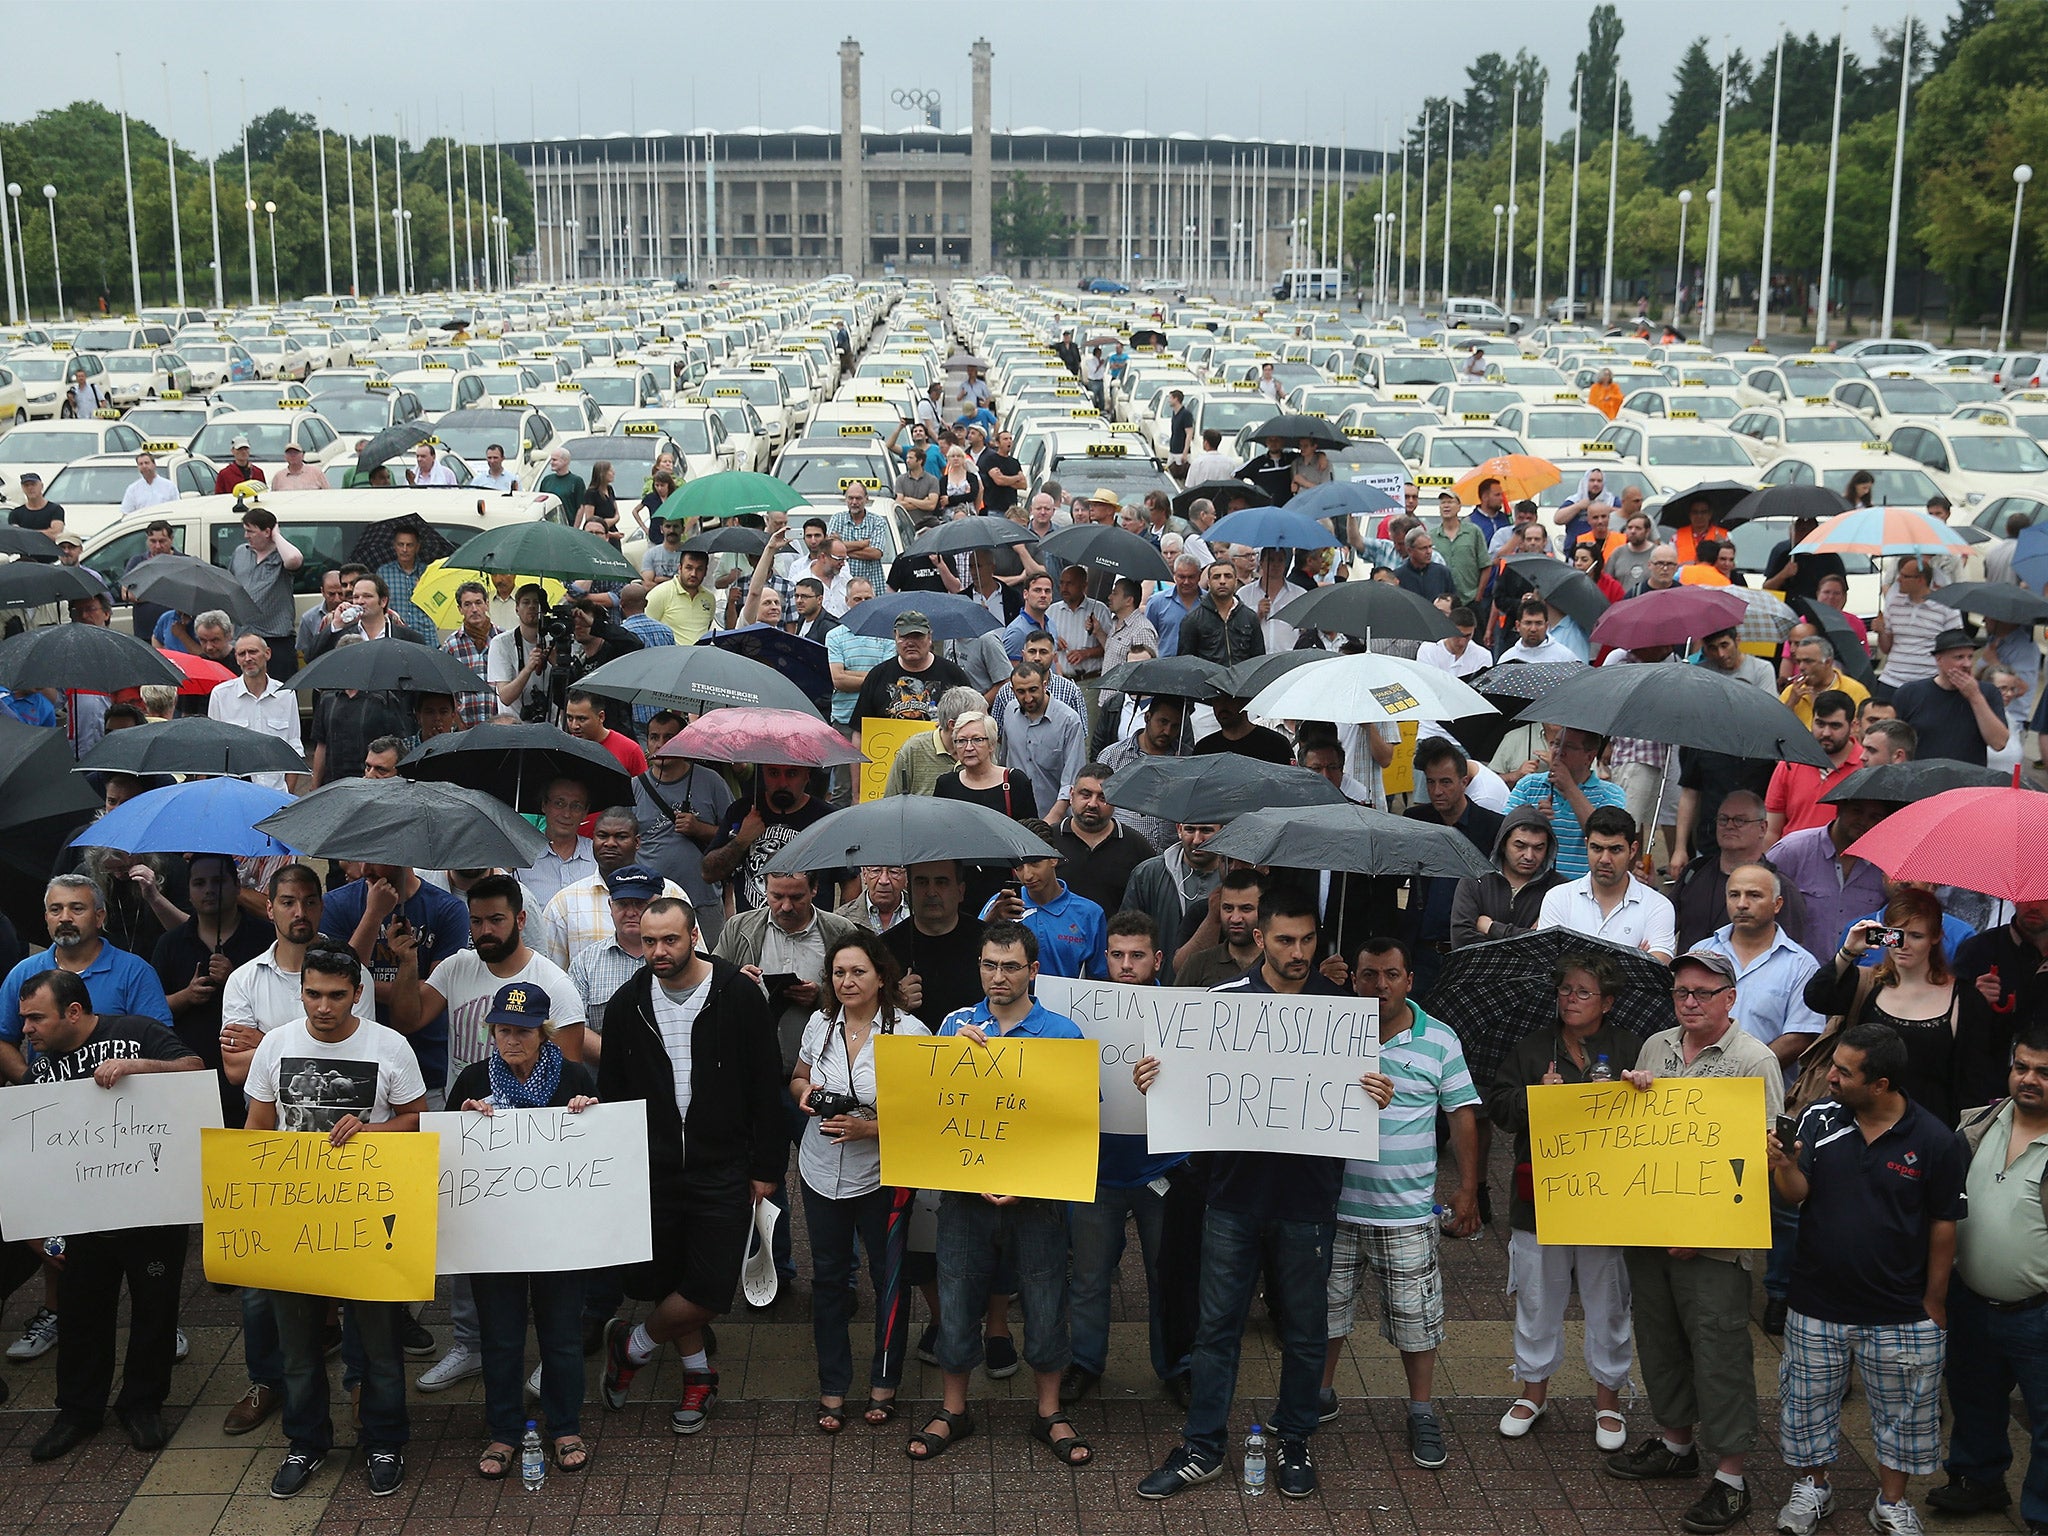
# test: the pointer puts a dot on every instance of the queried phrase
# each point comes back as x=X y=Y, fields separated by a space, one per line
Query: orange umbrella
x=1521 y=476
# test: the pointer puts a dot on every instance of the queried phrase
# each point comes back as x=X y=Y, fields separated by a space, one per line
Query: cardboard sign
x=1681 y=1165
x=1012 y=1117
x=881 y=740
x=1398 y=777
x=82 y=1158
x=289 y=1211
x=1116 y=1018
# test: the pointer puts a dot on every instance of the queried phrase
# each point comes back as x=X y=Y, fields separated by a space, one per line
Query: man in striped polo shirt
x=1386 y=1210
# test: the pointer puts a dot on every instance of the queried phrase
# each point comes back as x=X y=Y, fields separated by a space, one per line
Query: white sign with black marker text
x=82 y=1158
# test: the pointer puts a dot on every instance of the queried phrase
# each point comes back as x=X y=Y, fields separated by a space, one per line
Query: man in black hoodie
x=691 y=1036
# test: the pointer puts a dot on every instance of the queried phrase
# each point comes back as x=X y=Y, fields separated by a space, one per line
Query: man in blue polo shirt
x=976 y=1231
x=1880 y=1185
x=119 y=983
x=1072 y=933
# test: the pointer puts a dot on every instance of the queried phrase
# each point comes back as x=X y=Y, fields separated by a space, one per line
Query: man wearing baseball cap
x=298 y=475
x=35 y=512
x=238 y=469
x=907 y=686
x=606 y=964
x=1957 y=714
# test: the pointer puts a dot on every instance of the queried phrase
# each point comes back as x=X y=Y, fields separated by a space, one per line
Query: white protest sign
x=542 y=1189
x=1116 y=1016
x=1260 y=1072
x=82 y=1158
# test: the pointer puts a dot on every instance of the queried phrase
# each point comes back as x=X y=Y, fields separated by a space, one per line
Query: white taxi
x=1896 y=481
x=1550 y=430
x=2027 y=409
x=567 y=408
x=769 y=397
x=1679 y=405
x=1532 y=379
x=1972 y=461
x=43 y=448
x=90 y=489
x=1887 y=402
x=45 y=375
x=695 y=431
x=13 y=400
x=168 y=425
x=617 y=387
x=1439 y=456
x=443 y=388
x=1777 y=428
x=144 y=373
x=268 y=432
x=1677 y=454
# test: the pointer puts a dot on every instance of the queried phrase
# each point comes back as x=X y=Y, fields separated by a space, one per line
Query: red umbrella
x=744 y=735
x=201 y=675
x=1670 y=617
x=1989 y=840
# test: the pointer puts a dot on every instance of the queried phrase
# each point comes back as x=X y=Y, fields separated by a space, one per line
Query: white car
x=1971 y=461
x=1887 y=402
x=1709 y=406
x=1775 y=429
x=1677 y=454
x=13 y=400
x=1896 y=481
x=2027 y=410
x=258 y=397
x=743 y=429
x=90 y=489
x=1470 y=405
x=1550 y=430
x=120 y=335
x=45 y=376
x=1881 y=351
x=1533 y=381
x=696 y=430
x=820 y=470
x=279 y=356
x=168 y=425
x=146 y=373
x=46 y=447
x=268 y=432
x=1440 y=456
x=216 y=363
x=567 y=408
x=769 y=396
x=441 y=388
x=617 y=387
x=1807 y=376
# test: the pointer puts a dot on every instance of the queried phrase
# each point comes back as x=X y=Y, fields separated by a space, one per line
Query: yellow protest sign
x=1398 y=777
x=881 y=740
x=287 y=1211
x=1012 y=1117
x=1679 y=1166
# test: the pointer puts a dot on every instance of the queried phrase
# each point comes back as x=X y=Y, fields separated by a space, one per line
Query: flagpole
x=1613 y=176
x=1891 y=244
x=128 y=180
x=1422 y=220
x=171 y=167
x=1514 y=149
x=1763 y=290
x=249 y=201
x=14 y=315
x=1542 y=193
x=1827 y=228
x=1571 y=248
x=1714 y=199
x=1401 y=270
x=213 y=190
x=1450 y=139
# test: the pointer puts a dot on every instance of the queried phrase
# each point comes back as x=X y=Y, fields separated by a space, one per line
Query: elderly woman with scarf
x=526 y=1070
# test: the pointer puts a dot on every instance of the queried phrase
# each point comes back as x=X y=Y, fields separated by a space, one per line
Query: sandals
x=926 y=1446
x=1073 y=1450
x=571 y=1445
x=880 y=1410
x=831 y=1417
x=495 y=1464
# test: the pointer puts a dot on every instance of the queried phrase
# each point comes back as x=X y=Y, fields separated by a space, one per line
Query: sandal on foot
x=571 y=1446
x=495 y=1463
x=831 y=1417
x=881 y=1410
x=926 y=1446
x=1072 y=1450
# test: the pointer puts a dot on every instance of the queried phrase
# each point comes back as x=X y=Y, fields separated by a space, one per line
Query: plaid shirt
x=578 y=916
x=599 y=971
x=1634 y=749
x=650 y=632
x=401 y=582
x=473 y=708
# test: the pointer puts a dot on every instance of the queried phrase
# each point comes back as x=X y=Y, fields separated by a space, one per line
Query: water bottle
x=54 y=1247
x=1602 y=1071
x=533 y=1463
x=1255 y=1463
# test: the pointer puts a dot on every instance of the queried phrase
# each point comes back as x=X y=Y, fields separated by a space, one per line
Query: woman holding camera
x=840 y=1161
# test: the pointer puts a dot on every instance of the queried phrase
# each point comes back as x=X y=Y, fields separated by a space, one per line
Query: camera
x=827 y=1105
x=558 y=627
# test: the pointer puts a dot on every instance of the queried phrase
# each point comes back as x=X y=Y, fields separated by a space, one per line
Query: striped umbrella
x=1882 y=531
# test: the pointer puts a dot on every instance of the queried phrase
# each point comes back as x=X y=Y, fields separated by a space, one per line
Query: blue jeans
x=1988 y=1353
x=1296 y=1258
x=307 y=1424
x=1784 y=1243
x=1097 y=1233
x=261 y=1350
x=556 y=1302
x=1031 y=1234
x=882 y=1219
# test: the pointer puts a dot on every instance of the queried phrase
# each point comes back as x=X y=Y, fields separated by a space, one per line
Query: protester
x=1608 y=902
x=1566 y=793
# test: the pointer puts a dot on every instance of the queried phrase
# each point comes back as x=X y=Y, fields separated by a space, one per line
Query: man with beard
x=120 y=983
x=680 y=806
x=759 y=828
x=1166 y=886
x=1098 y=853
x=1159 y=734
x=194 y=960
x=362 y=912
x=1234 y=918
x=2002 y=980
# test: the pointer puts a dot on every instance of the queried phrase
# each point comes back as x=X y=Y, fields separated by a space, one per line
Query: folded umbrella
x=197 y=675
x=952 y=617
x=1103 y=548
x=1883 y=531
x=1377 y=609
x=731 y=493
x=1186 y=677
x=1367 y=687
x=390 y=443
x=41 y=804
x=389 y=663
x=543 y=549
x=378 y=542
x=1687 y=706
x=907 y=829
x=1989 y=840
x=190 y=585
x=1270 y=528
x=970 y=533
x=1564 y=587
x=1920 y=779
x=1721 y=496
x=82 y=656
x=693 y=677
x=1223 y=495
x=1353 y=838
x=1672 y=617
x=1296 y=427
x=730 y=540
x=399 y=821
x=1219 y=787
x=1999 y=600
x=516 y=763
x=203 y=816
x=1793 y=501
x=1522 y=477
x=801 y=660
x=795 y=738
x=24 y=583
x=192 y=744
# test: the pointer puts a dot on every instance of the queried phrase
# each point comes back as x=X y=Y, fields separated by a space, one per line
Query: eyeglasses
x=1698 y=994
x=1005 y=967
x=557 y=803
x=1738 y=821
x=1576 y=994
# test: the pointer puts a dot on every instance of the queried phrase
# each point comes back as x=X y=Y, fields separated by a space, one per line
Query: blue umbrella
x=953 y=617
x=2030 y=556
x=1342 y=498
x=199 y=816
x=1271 y=528
x=801 y=661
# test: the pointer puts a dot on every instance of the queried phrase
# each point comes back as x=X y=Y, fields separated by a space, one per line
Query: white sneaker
x=457 y=1365
x=37 y=1339
x=184 y=1344
x=1900 y=1519
x=533 y=1386
x=1810 y=1504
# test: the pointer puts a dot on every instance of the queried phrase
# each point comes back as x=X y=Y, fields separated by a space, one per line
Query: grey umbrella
x=908 y=829
x=398 y=821
x=1564 y=587
x=970 y=533
x=1103 y=548
x=951 y=616
x=28 y=583
x=1249 y=679
x=1220 y=787
x=1999 y=600
x=190 y=585
x=375 y=665
x=1188 y=677
x=1687 y=706
x=516 y=763
x=694 y=677
x=1375 y=608
x=1904 y=783
x=193 y=744
x=1352 y=838
x=729 y=540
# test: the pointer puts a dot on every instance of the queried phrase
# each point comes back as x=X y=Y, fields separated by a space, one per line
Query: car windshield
x=1697 y=450
x=436 y=394
x=1419 y=370
x=84 y=483
x=469 y=442
x=356 y=413
x=204 y=353
x=26 y=445
x=159 y=425
x=250 y=397
x=506 y=381
x=565 y=418
x=266 y=439
x=1466 y=450
x=129 y=363
x=1558 y=424
x=612 y=389
x=1714 y=377
x=39 y=370
x=2033 y=424
x=264 y=345
x=1530 y=373
x=1988 y=455
x=1487 y=400
x=689 y=432
x=1399 y=423
x=811 y=473
x=1227 y=415
x=757 y=388
x=97 y=338
x=1889 y=488
x=631 y=458
x=1912 y=397
x=1705 y=407
x=1970 y=391
x=1824 y=429
x=738 y=417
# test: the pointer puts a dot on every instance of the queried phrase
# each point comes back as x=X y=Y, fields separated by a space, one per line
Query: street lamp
x=56 y=267
x=1498 y=210
x=1710 y=277
x=270 y=213
x=2021 y=175
x=255 y=282
x=1678 y=282
x=575 y=262
x=14 y=195
x=398 y=245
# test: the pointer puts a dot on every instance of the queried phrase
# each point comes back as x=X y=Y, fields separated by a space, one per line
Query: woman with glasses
x=1581 y=1047
x=983 y=780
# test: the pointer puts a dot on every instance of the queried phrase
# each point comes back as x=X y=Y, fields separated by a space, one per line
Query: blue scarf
x=507 y=1092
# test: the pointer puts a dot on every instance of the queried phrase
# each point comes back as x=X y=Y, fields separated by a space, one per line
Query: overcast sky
x=1333 y=68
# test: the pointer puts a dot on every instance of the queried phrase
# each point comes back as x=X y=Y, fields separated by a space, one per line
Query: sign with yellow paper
x=1012 y=1117
x=289 y=1211
x=1398 y=777
x=881 y=740
x=1679 y=1166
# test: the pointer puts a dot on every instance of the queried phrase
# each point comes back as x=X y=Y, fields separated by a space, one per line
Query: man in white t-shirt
x=339 y=1074
x=1608 y=902
x=151 y=490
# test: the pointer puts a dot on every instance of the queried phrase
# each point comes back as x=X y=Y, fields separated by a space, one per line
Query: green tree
x=1599 y=65
x=1695 y=107
x=1968 y=17
x=1027 y=221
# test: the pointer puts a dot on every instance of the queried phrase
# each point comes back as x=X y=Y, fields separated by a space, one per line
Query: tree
x=268 y=133
x=1695 y=106
x=1488 y=108
x=1600 y=67
x=1028 y=221
x=1969 y=16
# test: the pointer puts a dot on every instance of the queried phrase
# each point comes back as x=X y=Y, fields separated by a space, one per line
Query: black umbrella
x=26 y=583
x=1904 y=783
x=376 y=545
x=1376 y=608
x=1687 y=706
x=1218 y=787
x=32 y=543
x=398 y=821
x=1850 y=654
x=1724 y=497
x=907 y=829
x=694 y=677
x=1525 y=680
x=1352 y=838
x=1249 y=679
x=1187 y=677
x=193 y=744
x=970 y=533
x=1564 y=587
x=1294 y=427
x=1495 y=994
x=1996 y=600
x=1794 y=501
x=952 y=617
x=539 y=549
x=41 y=805
x=728 y=540
x=390 y=443
x=81 y=656
x=1101 y=547
x=374 y=665
x=1224 y=495
x=189 y=585
x=515 y=763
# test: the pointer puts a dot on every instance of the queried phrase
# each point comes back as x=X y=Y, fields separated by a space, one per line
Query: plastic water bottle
x=533 y=1462
x=1255 y=1463
x=1602 y=1071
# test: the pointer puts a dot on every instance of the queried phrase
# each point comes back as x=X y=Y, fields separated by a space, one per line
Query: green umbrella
x=729 y=494
x=543 y=549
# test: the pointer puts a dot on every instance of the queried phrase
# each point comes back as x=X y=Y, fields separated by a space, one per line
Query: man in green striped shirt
x=1386 y=1210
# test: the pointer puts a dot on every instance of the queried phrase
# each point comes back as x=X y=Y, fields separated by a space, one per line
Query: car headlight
x=1973 y=497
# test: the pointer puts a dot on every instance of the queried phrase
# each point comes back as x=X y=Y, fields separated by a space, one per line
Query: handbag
x=1814 y=1062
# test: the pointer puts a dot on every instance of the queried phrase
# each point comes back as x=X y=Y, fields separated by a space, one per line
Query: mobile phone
x=1888 y=938
x=1787 y=1129
x=778 y=983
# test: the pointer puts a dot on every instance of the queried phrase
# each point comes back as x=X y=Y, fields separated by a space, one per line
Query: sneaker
x=619 y=1369
x=1960 y=1496
x=1326 y=1405
x=1184 y=1467
x=1810 y=1504
x=1653 y=1458
x=255 y=1405
x=533 y=1386
x=458 y=1364
x=1426 y=1440
x=294 y=1472
x=386 y=1471
x=999 y=1357
x=184 y=1346
x=1774 y=1316
x=700 y=1396
x=1722 y=1505
x=1076 y=1382
x=1296 y=1476
x=928 y=1344
x=415 y=1338
x=1900 y=1519
x=37 y=1339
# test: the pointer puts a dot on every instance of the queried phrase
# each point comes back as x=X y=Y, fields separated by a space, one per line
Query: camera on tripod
x=558 y=629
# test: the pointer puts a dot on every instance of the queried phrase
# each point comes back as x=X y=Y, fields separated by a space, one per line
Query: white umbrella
x=1368 y=687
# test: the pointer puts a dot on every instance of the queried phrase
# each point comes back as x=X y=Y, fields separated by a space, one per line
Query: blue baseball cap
x=520 y=1003
x=634 y=882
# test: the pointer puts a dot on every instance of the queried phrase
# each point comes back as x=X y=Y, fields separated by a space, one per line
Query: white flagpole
x=128 y=179
x=1715 y=196
x=1514 y=147
x=1891 y=244
x=1827 y=228
x=171 y=166
x=1571 y=246
x=213 y=191
x=249 y=201
x=1450 y=141
x=1613 y=176
x=1763 y=289
x=1542 y=189
x=326 y=232
x=1422 y=222
x=376 y=212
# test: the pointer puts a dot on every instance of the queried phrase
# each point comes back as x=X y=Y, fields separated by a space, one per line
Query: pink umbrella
x=743 y=735
x=1990 y=840
x=1670 y=617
